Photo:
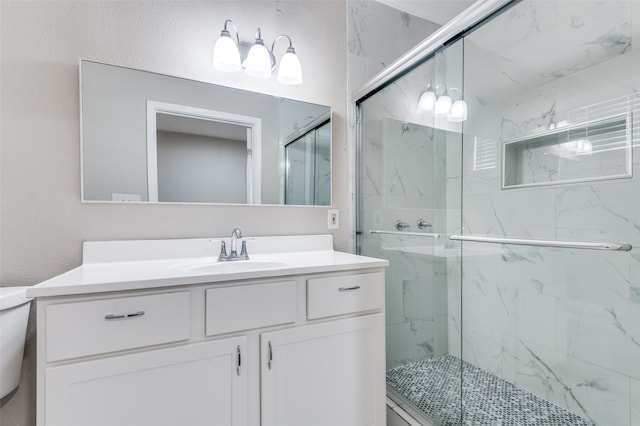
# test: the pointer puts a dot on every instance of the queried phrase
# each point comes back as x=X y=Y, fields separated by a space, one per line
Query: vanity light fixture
x=226 y=56
x=259 y=62
x=290 y=70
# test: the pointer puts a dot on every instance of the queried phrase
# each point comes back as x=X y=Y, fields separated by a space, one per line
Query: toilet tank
x=14 y=314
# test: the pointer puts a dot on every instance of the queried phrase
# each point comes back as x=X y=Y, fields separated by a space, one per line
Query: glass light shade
x=290 y=70
x=427 y=100
x=458 y=112
x=584 y=146
x=226 y=56
x=443 y=105
x=258 y=63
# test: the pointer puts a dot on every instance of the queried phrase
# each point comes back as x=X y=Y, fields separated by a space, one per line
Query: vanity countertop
x=144 y=264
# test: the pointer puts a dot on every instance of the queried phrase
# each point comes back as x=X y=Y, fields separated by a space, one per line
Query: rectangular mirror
x=149 y=137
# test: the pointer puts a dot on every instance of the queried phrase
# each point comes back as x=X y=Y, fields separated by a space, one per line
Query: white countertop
x=145 y=264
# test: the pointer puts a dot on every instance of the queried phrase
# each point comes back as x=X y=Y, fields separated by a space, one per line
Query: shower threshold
x=433 y=387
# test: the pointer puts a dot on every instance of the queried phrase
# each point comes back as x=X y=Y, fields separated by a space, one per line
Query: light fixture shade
x=258 y=62
x=458 y=112
x=290 y=70
x=226 y=56
x=427 y=100
x=443 y=105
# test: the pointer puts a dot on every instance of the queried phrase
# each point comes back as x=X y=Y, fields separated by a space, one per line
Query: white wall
x=198 y=168
x=43 y=222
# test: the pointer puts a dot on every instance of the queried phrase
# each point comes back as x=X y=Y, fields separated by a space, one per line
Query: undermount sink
x=215 y=267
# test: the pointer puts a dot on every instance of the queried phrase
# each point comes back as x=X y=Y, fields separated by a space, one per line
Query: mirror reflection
x=149 y=137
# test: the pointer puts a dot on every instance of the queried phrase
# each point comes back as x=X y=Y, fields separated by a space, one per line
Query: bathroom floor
x=433 y=385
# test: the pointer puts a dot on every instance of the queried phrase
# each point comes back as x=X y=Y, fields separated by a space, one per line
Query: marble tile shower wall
x=561 y=323
x=378 y=35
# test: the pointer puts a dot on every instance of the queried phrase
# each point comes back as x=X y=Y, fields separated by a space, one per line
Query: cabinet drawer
x=245 y=307
x=344 y=294
x=101 y=326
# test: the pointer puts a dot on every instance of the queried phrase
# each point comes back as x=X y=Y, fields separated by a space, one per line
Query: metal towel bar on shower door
x=543 y=243
x=415 y=234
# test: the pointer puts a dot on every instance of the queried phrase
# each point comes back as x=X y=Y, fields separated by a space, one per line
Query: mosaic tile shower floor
x=433 y=385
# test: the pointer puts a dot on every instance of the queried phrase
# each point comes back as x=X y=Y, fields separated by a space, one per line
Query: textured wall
x=43 y=222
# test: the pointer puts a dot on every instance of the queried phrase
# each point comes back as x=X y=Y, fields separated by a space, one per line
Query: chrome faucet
x=236 y=234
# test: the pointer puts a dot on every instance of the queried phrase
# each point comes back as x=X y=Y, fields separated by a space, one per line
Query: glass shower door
x=408 y=201
x=554 y=106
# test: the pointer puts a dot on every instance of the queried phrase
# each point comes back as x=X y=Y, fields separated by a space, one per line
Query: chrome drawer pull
x=355 y=287
x=123 y=316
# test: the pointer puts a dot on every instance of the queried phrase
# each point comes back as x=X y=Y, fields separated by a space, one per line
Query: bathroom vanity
x=161 y=333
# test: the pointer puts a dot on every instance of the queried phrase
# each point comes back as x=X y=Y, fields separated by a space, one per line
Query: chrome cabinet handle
x=355 y=287
x=124 y=316
x=238 y=360
x=270 y=363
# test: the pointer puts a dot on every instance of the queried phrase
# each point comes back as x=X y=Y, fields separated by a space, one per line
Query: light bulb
x=258 y=63
x=427 y=100
x=226 y=56
x=290 y=70
x=443 y=105
x=458 y=112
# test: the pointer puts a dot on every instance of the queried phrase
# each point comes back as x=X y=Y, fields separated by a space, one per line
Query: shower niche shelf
x=590 y=151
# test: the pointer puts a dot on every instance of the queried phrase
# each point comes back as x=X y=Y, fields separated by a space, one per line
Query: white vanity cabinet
x=194 y=384
x=300 y=350
x=324 y=374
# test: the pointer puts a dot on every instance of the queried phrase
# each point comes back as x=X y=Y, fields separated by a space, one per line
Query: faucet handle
x=223 y=250
x=424 y=224
x=243 y=250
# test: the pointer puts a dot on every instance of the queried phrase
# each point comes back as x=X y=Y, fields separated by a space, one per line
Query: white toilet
x=14 y=313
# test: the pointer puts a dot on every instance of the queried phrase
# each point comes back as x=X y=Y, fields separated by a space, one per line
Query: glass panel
x=322 y=175
x=299 y=171
x=553 y=332
x=308 y=168
x=410 y=172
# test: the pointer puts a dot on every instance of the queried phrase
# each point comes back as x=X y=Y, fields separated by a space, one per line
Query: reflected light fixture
x=458 y=112
x=226 y=56
x=439 y=101
x=427 y=99
x=259 y=62
x=443 y=103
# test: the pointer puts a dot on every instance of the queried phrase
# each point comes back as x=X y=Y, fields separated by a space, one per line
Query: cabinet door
x=197 y=384
x=325 y=374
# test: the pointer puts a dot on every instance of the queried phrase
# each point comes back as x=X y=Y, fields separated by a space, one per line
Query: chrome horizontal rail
x=413 y=234
x=544 y=243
